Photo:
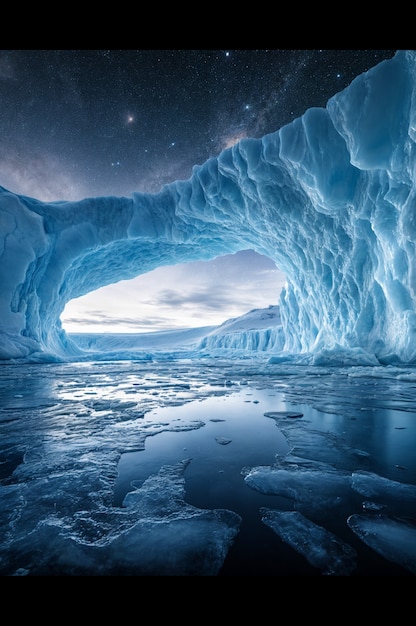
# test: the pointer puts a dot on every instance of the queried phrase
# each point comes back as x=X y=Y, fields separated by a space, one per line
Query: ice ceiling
x=330 y=198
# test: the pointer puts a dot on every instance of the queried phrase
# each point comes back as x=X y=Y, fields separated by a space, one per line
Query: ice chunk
x=156 y=533
x=321 y=548
x=372 y=485
x=393 y=538
x=313 y=488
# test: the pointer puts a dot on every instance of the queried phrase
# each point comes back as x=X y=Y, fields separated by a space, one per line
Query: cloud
x=209 y=297
x=113 y=322
x=204 y=293
x=96 y=321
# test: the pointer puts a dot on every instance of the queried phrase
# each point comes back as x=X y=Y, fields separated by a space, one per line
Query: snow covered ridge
x=330 y=198
x=257 y=330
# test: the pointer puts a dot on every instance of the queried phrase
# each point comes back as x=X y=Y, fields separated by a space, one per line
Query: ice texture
x=156 y=533
x=330 y=198
x=321 y=548
x=393 y=538
x=72 y=503
x=387 y=526
x=300 y=485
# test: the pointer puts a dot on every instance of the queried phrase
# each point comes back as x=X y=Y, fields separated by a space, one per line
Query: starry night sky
x=79 y=123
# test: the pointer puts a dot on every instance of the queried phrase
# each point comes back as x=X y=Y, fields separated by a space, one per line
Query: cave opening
x=178 y=297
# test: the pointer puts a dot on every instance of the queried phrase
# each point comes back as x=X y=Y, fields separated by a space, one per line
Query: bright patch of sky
x=203 y=293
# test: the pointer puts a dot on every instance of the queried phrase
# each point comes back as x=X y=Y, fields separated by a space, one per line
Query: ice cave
x=329 y=197
x=243 y=463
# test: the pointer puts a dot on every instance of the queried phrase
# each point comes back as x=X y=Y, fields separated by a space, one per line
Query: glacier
x=330 y=198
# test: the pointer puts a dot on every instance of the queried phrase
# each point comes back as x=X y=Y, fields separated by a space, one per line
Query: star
x=136 y=99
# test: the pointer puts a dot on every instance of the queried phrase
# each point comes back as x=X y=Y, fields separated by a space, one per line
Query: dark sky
x=77 y=123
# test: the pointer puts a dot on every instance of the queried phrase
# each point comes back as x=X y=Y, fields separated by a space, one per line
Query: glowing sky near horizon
x=79 y=123
x=174 y=297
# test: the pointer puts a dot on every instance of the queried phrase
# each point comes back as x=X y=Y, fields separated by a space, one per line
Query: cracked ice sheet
x=321 y=548
x=156 y=534
x=316 y=490
x=313 y=487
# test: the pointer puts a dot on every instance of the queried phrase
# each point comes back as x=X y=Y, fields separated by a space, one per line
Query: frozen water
x=279 y=443
x=377 y=487
x=395 y=539
x=118 y=468
x=330 y=198
x=301 y=484
x=171 y=537
x=321 y=548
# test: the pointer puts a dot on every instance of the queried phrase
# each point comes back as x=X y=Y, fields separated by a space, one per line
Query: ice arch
x=330 y=198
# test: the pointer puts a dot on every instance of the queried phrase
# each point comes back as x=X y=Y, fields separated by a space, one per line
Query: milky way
x=75 y=123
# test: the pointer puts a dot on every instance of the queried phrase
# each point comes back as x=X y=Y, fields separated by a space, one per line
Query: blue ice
x=330 y=198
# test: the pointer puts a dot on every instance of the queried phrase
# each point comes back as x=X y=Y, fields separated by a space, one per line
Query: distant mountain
x=259 y=329
x=253 y=320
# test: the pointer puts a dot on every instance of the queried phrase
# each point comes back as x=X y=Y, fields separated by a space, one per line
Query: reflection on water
x=234 y=433
x=238 y=434
x=76 y=438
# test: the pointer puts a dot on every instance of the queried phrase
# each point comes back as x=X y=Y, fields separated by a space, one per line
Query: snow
x=120 y=343
x=329 y=198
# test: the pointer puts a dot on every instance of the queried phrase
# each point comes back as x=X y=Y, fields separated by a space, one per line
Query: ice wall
x=330 y=198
